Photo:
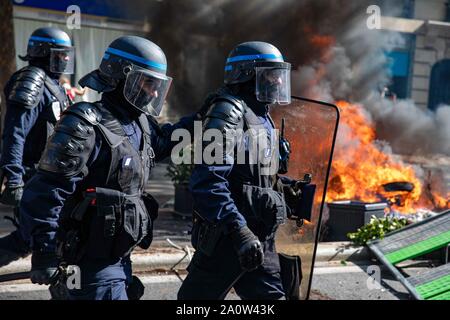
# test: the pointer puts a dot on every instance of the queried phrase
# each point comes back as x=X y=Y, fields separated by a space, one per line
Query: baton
x=224 y=293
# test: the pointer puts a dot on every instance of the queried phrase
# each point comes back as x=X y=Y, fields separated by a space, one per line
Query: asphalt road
x=331 y=281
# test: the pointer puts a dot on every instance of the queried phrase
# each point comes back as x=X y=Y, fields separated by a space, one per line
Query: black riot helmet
x=263 y=63
x=138 y=65
x=53 y=47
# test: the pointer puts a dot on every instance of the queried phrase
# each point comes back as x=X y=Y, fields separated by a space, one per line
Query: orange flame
x=322 y=40
x=360 y=167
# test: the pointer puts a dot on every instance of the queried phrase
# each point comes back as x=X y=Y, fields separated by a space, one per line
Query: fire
x=361 y=168
x=323 y=41
x=364 y=168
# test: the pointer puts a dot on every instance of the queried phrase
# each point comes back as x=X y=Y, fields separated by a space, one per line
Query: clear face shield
x=146 y=90
x=62 y=60
x=273 y=84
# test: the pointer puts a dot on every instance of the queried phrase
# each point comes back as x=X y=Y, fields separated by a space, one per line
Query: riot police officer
x=34 y=102
x=95 y=167
x=237 y=208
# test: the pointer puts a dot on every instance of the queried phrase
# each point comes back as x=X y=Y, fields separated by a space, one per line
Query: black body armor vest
x=252 y=183
x=109 y=214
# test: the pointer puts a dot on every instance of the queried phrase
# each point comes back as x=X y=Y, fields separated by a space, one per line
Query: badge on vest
x=56 y=109
x=127 y=162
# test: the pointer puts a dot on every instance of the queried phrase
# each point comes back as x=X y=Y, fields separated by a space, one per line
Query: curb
x=141 y=262
x=162 y=261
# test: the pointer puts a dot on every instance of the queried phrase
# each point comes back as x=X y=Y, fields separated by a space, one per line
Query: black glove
x=292 y=194
x=248 y=248
x=299 y=196
x=12 y=195
x=44 y=268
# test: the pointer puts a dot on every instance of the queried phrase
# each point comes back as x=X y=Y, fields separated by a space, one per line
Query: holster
x=205 y=235
x=291 y=275
x=152 y=207
x=73 y=233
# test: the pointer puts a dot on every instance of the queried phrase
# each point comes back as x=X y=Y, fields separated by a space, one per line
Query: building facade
x=421 y=69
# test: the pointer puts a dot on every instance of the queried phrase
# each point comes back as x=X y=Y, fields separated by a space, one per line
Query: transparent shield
x=147 y=90
x=62 y=60
x=273 y=85
x=310 y=128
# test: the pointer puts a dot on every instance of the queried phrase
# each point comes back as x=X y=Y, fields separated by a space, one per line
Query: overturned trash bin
x=347 y=216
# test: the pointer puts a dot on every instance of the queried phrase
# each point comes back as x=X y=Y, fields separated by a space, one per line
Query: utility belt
x=105 y=224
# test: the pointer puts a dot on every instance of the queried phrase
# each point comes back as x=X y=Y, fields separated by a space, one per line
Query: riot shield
x=310 y=127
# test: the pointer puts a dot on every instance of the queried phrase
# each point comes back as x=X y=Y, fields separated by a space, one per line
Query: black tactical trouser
x=210 y=277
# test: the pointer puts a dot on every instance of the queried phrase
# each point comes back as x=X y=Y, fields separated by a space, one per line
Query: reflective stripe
x=255 y=57
x=52 y=40
x=135 y=58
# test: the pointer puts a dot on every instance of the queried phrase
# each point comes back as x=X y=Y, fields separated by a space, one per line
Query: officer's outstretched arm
x=161 y=139
x=162 y=143
x=209 y=183
x=23 y=93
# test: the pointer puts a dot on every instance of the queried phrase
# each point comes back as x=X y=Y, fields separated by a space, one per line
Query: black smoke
x=333 y=53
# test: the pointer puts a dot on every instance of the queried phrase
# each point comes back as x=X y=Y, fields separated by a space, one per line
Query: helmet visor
x=62 y=60
x=146 y=90
x=273 y=84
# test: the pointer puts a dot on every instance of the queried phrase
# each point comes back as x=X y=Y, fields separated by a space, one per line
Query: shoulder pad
x=69 y=147
x=74 y=125
x=27 y=87
x=225 y=113
x=85 y=110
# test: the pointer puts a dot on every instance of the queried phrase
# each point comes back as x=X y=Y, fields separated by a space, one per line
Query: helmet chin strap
x=117 y=101
x=247 y=91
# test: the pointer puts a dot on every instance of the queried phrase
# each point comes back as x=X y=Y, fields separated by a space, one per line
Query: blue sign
x=111 y=9
x=398 y=63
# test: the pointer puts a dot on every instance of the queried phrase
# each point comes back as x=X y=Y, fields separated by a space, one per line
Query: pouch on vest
x=264 y=209
x=119 y=224
x=134 y=226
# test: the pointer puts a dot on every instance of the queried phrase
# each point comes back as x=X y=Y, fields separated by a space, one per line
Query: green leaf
x=376 y=228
